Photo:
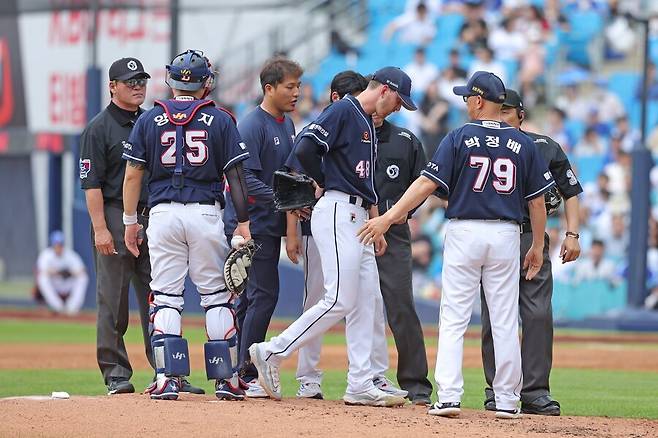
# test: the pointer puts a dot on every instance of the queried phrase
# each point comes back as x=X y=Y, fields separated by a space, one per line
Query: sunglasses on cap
x=134 y=83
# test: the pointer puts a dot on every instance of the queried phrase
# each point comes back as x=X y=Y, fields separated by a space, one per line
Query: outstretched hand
x=534 y=258
x=374 y=229
x=133 y=237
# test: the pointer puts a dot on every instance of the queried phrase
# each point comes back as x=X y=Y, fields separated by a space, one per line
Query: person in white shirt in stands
x=596 y=267
x=484 y=61
x=507 y=42
x=421 y=72
x=416 y=27
x=61 y=277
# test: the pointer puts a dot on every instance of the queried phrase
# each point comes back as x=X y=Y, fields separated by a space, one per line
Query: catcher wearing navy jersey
x=188 y=145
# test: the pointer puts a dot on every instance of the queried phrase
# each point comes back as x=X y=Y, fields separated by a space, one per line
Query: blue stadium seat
x=588 y=168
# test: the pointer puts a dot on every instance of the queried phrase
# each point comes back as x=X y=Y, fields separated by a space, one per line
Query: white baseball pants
x=350 y=276
x=487 y=251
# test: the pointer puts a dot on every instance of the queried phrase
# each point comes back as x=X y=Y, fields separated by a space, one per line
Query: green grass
x=17 y=289
x=581 y=392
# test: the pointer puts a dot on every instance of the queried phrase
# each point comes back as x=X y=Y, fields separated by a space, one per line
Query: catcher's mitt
x=236 y=267
x=292 y=191
x=552 y=200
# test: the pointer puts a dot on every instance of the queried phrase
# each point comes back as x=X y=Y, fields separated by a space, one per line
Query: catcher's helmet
x=190 y=71
x=552 y=200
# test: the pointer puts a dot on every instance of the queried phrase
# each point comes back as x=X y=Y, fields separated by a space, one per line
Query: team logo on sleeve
x=85 y=167
x=277 y=141
x=365 y=137
x=393 y=171
x=318 y=128
x=547 y=176
x=126 y=146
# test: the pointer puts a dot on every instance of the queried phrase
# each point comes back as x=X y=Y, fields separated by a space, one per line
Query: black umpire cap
x=127 y=68
x=512 y=99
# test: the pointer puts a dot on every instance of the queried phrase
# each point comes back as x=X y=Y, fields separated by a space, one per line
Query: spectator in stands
x=422 y=254
x=594 y=121
x=433 y=119
x=455 y=63
x=607 y=103
x=417 y=28
x=617 y=240
x=474 y=32
x=434 y=7
x=619 y=171
x=484 y=61
x=629 y=136
x=596 y=195
x=507 y=42
x=652 y=84
x=421 y=72
x=590 y=144
x=596 y=267
x=307 y=105
x=573 y=103
x=555 y=128
x=445 y=84
x=61 y=277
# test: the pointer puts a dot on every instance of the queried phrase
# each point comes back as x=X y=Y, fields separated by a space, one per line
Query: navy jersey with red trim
x=212 y=144
x=269 y=141
x=346 y=134
x=488 y=170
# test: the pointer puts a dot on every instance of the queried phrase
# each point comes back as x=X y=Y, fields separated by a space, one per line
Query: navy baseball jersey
x=347 y=135
x=488 y=170
x=269 y=141
x=211 y=145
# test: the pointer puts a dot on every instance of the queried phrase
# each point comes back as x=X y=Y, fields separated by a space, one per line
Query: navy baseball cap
x=485 y=84
x=127 y=68
x=512 y=99
x=56 y=238
x=398 y=81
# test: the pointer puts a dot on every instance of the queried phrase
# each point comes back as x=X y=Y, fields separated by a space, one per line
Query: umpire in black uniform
x=400 y=159
x=535 y=295
x=101 y=177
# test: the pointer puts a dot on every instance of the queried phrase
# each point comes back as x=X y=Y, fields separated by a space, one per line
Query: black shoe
x=543 y=405
x=420 y=400
x=490 y=404
x=120 y=385
x=186 y=386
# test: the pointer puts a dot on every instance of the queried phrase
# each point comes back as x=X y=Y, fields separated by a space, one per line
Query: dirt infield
x=133 y=415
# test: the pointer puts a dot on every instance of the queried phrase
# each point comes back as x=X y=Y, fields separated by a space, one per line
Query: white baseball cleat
x=310 y=390
x=387 y=386
x=450 y=410
x=373 y=397
x=255 y=390
x=508 y=414
x=268 y=375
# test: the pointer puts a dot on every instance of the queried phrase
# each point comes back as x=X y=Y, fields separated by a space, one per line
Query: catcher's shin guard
x=221 y=357
x=172 y=358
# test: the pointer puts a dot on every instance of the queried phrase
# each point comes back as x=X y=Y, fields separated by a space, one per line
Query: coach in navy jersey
x=487 y=170
x=269 y=135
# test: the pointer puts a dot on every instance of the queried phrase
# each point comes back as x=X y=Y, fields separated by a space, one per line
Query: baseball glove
x=292 y=191
x=552 y=200
x=236 y=267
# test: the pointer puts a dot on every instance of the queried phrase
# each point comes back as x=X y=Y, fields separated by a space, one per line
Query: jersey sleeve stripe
x=234 y=159
x=125 y=156
x=435 y=179
x=323 y=143
x=534 y=194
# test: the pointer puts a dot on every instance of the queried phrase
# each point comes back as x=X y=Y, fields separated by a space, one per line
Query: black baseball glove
x=236 y=267
x=292 y=191
x=552 y=200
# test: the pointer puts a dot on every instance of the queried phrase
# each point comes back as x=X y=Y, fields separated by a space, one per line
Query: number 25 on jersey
x=504 y=171
x=196 y=151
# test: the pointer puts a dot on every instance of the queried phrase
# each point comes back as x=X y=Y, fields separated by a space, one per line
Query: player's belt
x=525 y=228
x=352 y=199
x=142 y=209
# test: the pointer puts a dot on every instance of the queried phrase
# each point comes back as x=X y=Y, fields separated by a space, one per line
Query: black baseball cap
x=127 y=68
x=512 y=99
x=485 y=84
x=398 y=81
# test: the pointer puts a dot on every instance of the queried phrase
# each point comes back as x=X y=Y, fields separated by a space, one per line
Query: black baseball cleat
x=120 y=385
x=186 y=386
x=490 y=404
x=543 y=405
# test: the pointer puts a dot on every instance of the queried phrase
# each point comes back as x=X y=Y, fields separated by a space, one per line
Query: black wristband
x=572 y=234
